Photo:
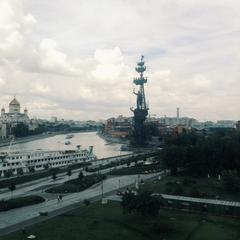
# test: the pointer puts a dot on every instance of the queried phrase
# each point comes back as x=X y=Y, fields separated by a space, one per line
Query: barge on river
x=19 y=162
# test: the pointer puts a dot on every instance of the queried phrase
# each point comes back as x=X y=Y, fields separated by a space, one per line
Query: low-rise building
x=118 y=127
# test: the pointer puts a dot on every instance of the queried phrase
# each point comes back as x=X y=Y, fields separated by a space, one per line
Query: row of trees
x=203 y=154
x=22 y=130
x=143 y=203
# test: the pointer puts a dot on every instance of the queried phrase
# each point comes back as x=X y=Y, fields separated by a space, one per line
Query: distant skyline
x=75 y=59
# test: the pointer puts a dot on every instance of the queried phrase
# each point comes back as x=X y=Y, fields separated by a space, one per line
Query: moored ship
x=30 y=161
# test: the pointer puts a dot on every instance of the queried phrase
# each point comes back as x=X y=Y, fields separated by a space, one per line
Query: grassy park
x=191 y=186
x=108 y=222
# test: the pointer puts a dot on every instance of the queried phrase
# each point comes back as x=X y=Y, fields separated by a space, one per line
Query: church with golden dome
x=8 y=120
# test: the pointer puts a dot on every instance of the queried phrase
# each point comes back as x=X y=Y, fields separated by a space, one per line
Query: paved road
x=42 y=184
x=16 y=216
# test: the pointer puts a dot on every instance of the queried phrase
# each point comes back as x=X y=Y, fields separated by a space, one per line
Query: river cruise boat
x=29 y=161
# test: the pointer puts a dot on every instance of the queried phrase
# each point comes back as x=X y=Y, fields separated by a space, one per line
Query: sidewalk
x=14 y=219
x=201 y=200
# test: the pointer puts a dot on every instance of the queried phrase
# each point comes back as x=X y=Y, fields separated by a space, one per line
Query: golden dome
x=14 y=102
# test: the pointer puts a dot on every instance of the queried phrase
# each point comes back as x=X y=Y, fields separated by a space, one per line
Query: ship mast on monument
x=141 y=110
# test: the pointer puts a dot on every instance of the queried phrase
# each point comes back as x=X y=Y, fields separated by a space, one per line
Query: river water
x=101 y=147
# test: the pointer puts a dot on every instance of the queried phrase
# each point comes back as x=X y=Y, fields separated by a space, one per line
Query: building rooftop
x=14 y=102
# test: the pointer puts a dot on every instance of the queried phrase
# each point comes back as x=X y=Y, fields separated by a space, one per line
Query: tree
x=80 y=175
x=20 y=130
x=31 y=169
x=20 y=171
x=86 y=202
x=173 y=157
x=203 y=153
x=69 y=173
x=129 y=202
x=54 y=176
x=46 y=166
x=12 y=187
x=143 y=203
x=8 y=173
x=147 y=204
x=231 y=180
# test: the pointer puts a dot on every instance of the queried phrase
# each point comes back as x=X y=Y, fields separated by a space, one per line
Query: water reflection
x=101 y=147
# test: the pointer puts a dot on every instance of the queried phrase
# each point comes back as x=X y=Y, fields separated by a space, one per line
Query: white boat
x=27 y=161
x=69 y=136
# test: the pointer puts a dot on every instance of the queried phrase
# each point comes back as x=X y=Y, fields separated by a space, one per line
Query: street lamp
x=119 y=183
x=102 y=189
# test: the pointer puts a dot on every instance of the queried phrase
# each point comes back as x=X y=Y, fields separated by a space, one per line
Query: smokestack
x=90 y=149
x=178 y=110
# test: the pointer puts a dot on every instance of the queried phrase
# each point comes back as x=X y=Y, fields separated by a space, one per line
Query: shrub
x=37 y=175
x=6 y=205
x=188 y=181
x=194 y=192
x=231 y=181
x=86 y=202
x=161 y=228
x=143 y=203
x=77 y=185
x=170 y=183
x=178 y=190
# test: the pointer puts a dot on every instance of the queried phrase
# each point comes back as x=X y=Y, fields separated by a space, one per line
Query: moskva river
x=101 y=147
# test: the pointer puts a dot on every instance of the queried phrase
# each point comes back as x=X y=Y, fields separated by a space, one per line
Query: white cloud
x=51 y=58
x=29 y=21
x=77 y=59
x=109 y=64
x=1 y=81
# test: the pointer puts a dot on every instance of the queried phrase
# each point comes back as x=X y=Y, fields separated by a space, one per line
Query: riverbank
x=126 y=145
x=4 y=143
x=109 y=139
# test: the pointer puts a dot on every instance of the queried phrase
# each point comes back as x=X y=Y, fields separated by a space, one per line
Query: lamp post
x=102 y=189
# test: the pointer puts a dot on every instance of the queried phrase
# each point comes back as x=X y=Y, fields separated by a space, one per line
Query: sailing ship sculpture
x=141 y=110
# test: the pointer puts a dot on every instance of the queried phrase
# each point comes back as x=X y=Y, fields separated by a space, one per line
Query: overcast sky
x=75 y=59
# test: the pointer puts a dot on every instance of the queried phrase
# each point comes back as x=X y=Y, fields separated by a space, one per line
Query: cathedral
x=9 y=120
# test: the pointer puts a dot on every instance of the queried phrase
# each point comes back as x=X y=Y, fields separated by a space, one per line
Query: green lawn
x=189 y=186
x=107 y=222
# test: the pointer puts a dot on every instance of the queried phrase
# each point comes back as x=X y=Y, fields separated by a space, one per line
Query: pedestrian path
x=201 y=200
x=16 y=216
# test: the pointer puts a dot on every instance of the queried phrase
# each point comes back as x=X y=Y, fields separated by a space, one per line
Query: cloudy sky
x=75 y=59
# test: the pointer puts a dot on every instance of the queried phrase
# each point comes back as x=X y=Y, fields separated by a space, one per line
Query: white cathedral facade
x=9 y=120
